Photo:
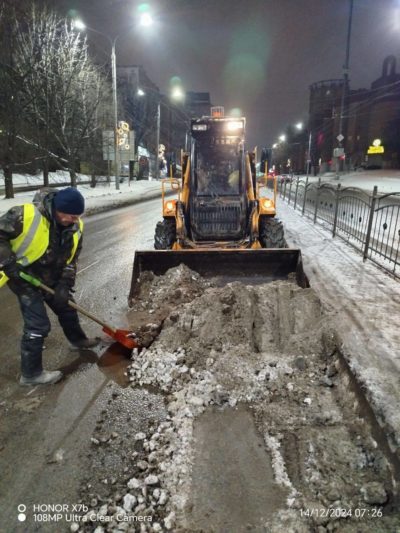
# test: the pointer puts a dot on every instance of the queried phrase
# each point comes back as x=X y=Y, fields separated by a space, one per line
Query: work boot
x=47 y=377
x=85 y=344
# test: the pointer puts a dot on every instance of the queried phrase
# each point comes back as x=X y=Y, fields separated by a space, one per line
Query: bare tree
x=11 y=108
x=58 y=87
x=76 y=93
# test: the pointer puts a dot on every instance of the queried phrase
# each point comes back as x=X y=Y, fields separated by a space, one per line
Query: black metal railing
x=369 y=222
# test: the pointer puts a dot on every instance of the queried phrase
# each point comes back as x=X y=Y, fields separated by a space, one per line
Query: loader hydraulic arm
x=185 y=163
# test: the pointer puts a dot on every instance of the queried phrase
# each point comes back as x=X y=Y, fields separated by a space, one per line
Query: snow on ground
x=102 y=197
x=365 y=302
x=105 y=195
x=387 y=181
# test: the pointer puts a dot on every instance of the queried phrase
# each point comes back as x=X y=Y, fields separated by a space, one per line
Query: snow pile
x=219 y=349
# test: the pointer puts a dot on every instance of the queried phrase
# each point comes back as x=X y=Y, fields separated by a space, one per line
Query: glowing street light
x=282 y=138
x=78 y=24
x=146 y=19
x=177 y=93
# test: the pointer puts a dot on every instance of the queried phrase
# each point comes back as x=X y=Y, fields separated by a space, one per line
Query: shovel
x=122 y=336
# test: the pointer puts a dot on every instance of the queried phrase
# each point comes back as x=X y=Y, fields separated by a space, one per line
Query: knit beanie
x=69 y=201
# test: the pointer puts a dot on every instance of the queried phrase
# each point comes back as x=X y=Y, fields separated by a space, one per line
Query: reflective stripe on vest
x=33 y=241
x=76 y=237
x=35 y=230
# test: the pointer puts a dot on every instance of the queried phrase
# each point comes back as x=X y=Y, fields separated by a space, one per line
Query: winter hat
x=69 y=201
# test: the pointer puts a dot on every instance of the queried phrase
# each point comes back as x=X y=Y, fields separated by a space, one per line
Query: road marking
x=95 y=263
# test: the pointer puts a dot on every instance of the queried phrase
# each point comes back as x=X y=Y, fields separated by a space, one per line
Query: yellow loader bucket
x=246 y=265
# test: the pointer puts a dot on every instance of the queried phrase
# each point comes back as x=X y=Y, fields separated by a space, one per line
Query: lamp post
x=176 y=94
x=145 y=20
x=341 y=137
x=299 y=126
x=309 y=154
x=115 y=107
x=158 y=140
x=282 y=139
x=140 y=92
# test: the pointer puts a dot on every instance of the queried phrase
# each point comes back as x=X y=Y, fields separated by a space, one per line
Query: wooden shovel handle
x=37 y=283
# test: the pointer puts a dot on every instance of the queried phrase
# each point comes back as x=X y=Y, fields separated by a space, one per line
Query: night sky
x=256 y=55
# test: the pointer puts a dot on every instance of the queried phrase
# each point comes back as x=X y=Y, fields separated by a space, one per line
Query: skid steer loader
x=223 y=221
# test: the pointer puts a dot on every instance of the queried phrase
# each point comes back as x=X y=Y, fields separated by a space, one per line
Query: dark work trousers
x=37 y=326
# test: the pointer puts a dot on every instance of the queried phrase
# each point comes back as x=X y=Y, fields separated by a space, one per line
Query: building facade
x=370 y=117
x=140 y=101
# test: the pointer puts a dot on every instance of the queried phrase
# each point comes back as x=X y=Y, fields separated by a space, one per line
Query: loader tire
x=165 y=234
x=271 y=233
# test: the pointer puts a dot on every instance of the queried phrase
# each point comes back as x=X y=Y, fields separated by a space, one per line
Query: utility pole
x=345 y=87
x=309 y=154
x=115 y=106
x=157 y=173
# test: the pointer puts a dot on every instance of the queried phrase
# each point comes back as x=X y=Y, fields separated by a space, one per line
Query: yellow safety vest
x=32 y=243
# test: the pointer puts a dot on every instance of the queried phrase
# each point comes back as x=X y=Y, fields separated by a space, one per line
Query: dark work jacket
x=51 y=267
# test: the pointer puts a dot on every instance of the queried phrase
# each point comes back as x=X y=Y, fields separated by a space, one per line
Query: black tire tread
x=271 y=233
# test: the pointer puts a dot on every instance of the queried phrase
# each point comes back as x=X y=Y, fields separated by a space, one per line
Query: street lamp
x=341 y=137
x=309 y=155
x=176 y=94
x=140 y=92
x=299 y=126
x=282 y=138
x=144 y=20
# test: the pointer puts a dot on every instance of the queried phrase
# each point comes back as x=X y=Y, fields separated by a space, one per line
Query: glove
x=61 y=294
x=12 y=271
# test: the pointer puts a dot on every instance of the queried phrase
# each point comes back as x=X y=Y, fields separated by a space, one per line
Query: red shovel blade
x=123 y=336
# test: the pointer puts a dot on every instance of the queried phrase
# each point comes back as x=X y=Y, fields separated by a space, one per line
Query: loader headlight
x=267 y=204
x=234 y=125
x=169 y=206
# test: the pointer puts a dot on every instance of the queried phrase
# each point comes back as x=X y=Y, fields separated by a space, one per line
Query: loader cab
x=217 y=156
x=218 y=203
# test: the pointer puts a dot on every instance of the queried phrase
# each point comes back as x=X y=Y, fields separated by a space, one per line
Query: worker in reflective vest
x=43 y=239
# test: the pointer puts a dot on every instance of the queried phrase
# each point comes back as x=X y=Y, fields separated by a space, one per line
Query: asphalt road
x=45 y=431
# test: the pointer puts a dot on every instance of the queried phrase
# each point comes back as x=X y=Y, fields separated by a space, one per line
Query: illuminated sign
x=376 y=150
x=199 y=127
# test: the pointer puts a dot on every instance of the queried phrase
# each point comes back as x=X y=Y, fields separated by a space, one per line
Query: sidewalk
x=101 y=198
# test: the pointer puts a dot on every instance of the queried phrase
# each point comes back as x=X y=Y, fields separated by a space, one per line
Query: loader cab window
x=217 y=169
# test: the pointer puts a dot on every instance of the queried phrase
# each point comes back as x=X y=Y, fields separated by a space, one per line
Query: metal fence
x=369 y=222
